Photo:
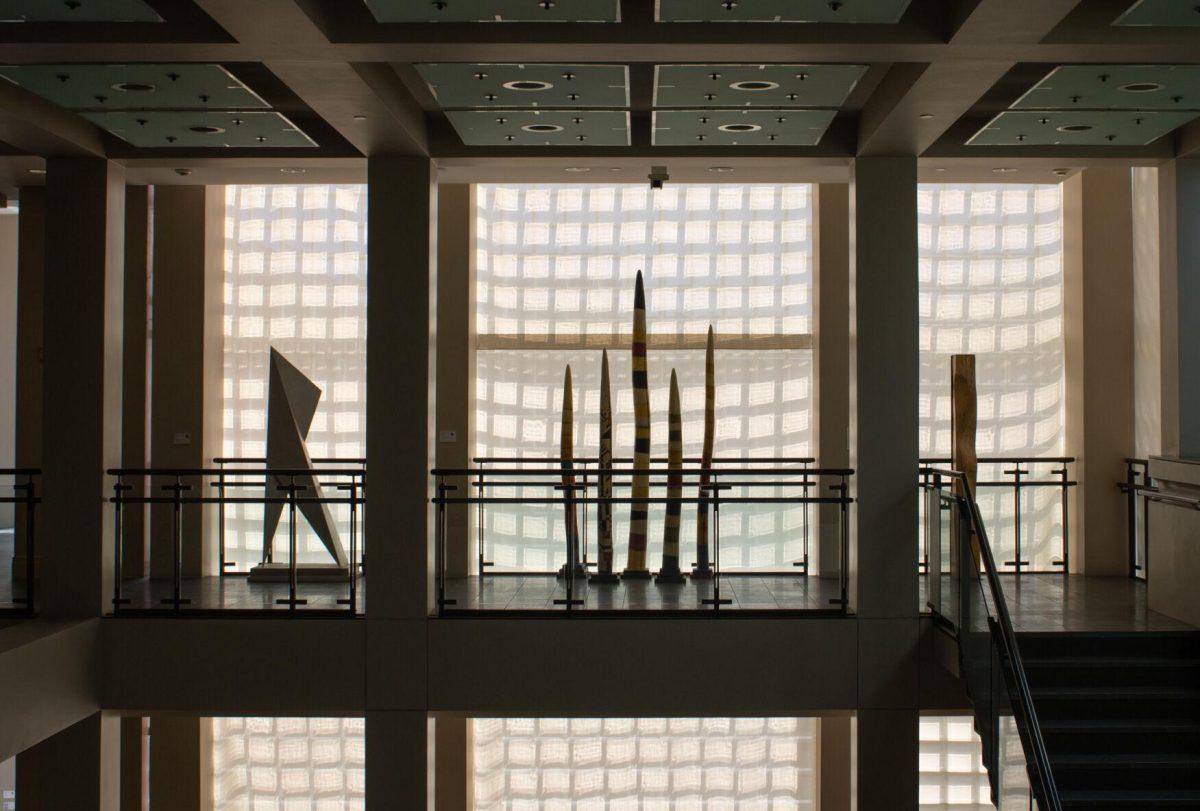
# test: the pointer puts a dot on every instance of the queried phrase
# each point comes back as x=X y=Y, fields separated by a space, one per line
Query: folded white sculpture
x=291 y=403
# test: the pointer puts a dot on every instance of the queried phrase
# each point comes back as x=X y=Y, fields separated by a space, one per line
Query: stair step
x=1123 y=662
x=1105 y=726
x=1130 y=799
x=1171 y=760
x=1130 y=644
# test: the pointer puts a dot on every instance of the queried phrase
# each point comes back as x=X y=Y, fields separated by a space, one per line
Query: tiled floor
x=746 y=592
x=239 y=594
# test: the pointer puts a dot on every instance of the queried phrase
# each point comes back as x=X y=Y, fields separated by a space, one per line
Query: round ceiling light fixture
x=1062 y=172
x=37 y=171
x=133 y=87
x=1004 y=170
x=1075 y=128
x=1142 y=87
x=542 y=128
x=754 y=85
x=206 y=129
x=578 y=169
x=720 y=169
x=739 y=128
x=528 y=85
x=292 y=170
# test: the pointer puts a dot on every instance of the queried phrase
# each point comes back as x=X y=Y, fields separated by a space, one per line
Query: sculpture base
x=675 y=576
x=702 y=574
x=305 y=573
x=580 y=571
x=603 y=578
x=635 y=574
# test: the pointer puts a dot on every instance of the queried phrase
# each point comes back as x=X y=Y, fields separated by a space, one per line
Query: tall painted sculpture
x=635 y=568
x=567 y=453
x=669 y=573
x=604 y=567
x=291 y=403
x=703 y=568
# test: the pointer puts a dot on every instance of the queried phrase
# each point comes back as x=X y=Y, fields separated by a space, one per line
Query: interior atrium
x=746 y=404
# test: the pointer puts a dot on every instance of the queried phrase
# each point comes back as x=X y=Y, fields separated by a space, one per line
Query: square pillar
x=84 y=250
x=135 y=388
x=883 y=386
x=31 y=242
x=180 y=763
x=400 y=761
x=1185 y=224
x=401 y=334
x=186 y=366
x=886 y=768
x=1098 y=321
x=77 y=769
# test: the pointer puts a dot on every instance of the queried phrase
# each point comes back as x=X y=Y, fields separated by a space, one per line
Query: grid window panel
x=556 y=267
x=644 y=763
x=991 y=284
x=952 y=776
x=288 y=763
x=295 y=279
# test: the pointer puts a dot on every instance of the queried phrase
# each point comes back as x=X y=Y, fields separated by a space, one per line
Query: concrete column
x=400 y=761
x=31 y=227
x=453 y=761
x=186 y=364
x=401 y=335
x=9 y=227
x=76 y=770
x=135 y=389
x=831 y=326
x=456 y=358
x=1098 y=326
x=886 y=759
x=835 y=762
x=180 y=768
x=1185 y=229
x=85 y=236
x=133 y=756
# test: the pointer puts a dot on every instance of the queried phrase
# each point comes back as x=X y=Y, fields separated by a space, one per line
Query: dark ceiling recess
x=107 y=21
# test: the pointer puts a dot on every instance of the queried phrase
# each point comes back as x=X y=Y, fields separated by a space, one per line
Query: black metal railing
x=720 y=479
x=181 y=487
x=584 y=467
x=1140 y=489
x=1021 y=474
x=967 y=595
x=19 y=487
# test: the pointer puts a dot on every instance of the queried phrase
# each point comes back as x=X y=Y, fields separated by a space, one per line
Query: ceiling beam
x=34 y=125
x=1187 y=141
x=367 y=104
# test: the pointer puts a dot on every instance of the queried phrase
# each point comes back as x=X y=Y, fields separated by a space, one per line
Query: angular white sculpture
x=291 y=403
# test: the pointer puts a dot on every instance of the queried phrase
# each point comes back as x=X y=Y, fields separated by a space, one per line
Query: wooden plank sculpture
x=669 y=573
x=703 y=568
x=567 y=454
x=635 y=567
x=963 y=422
x=604 y=567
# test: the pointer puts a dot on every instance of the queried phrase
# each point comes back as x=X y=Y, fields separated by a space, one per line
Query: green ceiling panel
x=463 y=85
x=784 y=11
x=203 y=128
x=1116 y=87
x=486 y=11
x=754 y=85
x=541 y=127
x=1078 y=128
x=135 y=87
x=77 y=11
x=1167 y=13
x=740 y=127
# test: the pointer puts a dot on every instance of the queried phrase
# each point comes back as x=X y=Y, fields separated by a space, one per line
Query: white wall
x=8 y=348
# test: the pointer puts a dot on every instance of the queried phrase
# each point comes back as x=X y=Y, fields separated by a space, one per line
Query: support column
x=835 y=762
x=135 y=389
x=400 y=761
x=832 y=329
x=31 y=239
x=1099 y=336
x=883 y=447
x=1185 y=227
x=76 y=770
x=456 y=359
x=186 y=365
x=9 y=227
x=85 y=241
x=453 y=758
x=180 y=768
x=401 y=334
x=133 y=765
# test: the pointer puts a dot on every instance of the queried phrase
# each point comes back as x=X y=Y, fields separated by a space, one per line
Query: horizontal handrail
x=210 y=471
x=616 y=471
x=1002 y=460
x=736 y=460
x=262 y=460
x=1155 y=494
x=558 y=500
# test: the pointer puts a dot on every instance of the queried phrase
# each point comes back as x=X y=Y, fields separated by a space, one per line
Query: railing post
x=1131 y=520
x=30 y=544
x=570 y=601
x=118 y=543
x=1065 y=486
x=352 y=487
x=222 y=566
x=291 y=601
x=715 y=490
x=177 y=491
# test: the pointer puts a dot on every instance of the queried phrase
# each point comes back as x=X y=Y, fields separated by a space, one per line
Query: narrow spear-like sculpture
x=635 y=567
x=604 y=539
x=669 y=573
x=566 y=454
x=702 y=567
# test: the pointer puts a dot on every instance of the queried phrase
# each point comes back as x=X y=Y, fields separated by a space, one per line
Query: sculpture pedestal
x=702 y=574
x=305 y=573
x=580 y=571
x=635 y=574
x=602 y=578
x=670 y=577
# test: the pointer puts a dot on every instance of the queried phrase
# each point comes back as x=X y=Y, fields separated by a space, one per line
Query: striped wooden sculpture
x=669 y=573
x=604 y=539
x=703 y=568
x=635 y=567
x=567 y=453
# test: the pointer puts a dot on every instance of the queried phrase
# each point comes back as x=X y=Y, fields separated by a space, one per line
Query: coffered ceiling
x=580 y=80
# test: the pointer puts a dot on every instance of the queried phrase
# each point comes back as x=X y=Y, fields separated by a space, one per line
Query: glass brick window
x=951 y=762
x=555 y=284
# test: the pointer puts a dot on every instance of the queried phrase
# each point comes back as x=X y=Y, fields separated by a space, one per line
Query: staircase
x=1120 y=716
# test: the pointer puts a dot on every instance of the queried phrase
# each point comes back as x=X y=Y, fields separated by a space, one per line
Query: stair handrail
x=1042 y=778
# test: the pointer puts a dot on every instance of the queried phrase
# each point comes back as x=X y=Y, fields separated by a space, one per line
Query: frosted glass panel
x=951 y=762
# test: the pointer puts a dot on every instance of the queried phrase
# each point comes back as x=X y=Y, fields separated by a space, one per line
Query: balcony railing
x=1139 y=489
x=1020 y=474
x=797 y=479
x=239 y=482
x=19 y=487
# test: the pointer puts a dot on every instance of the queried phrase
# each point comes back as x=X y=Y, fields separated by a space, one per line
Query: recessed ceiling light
x=133 y=87
x=1075 y=128
x=1062 y=172
x=720 y=169
x=359 y=117
x=183 y=172
x=754 y=86
x=1003 y=170
x=578 y=169
x=542 y=128
x=925 y=116
x=206 y=129
x=1142 y=87
x=292 y=170
x=939 y=168
x=37 y=171
x=615 y=169
x=528 y=85
x=739 y=128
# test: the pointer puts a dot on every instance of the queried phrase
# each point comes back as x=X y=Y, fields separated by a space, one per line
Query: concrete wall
x=8 y=351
